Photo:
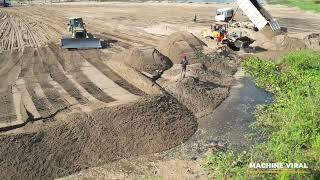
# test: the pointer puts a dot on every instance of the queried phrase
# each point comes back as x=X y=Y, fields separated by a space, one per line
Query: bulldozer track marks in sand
x=94 y=58
x=18 y=30
x=51 y=80
x=7 y=113
x=47 y=79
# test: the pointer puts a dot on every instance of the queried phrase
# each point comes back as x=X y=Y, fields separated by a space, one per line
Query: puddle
x=229 y=123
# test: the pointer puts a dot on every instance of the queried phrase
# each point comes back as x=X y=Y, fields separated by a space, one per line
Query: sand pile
x=152 y=124
x=312 y=41
x=144 y=60
x=269 y=40
x=201 y=97
x=181 y=43
x=206 y=84
x=298 y=41
x=285 y=42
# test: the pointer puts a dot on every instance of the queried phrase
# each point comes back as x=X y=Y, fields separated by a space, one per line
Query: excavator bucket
x=80 y=43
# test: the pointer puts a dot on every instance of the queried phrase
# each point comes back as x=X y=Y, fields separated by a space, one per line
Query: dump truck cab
x=224 y=14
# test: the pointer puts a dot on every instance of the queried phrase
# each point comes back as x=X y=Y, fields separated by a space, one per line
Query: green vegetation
x=225 y=165
x=313 y=5
x=289 y=128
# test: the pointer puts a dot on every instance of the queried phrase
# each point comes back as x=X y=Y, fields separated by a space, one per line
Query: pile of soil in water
x=152 y=124
x=145 y=60
x=201 y=97
x=180 y=44
x=284 y=42
x=312 y=41
x=206 y=83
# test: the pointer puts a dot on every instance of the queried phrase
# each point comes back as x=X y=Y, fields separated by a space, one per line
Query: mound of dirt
x=206 y=84
x=201 y=97
x=179 y=44
x=152 y=124
x=312 y=41
x=284 y=42
x=146 y=60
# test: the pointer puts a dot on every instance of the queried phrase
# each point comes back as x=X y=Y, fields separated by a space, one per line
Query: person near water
x=184 y=62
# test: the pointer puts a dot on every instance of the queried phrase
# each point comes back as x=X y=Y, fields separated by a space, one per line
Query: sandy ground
x=43 y=85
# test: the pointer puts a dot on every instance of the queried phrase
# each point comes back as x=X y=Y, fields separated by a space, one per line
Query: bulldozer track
x=50 y=80
x=91 y=88
x=7 y=113
x=43 y=65
x=18 y=31
x=42 y=76
x=94 y=57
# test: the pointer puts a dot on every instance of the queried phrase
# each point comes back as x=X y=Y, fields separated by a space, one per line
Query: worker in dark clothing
x=184 y=62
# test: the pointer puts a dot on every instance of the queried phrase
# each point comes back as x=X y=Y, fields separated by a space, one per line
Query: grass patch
x=310 y=5
x=289 y=128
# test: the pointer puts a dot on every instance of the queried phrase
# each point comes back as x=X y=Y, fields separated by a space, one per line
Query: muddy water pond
x=229 y=124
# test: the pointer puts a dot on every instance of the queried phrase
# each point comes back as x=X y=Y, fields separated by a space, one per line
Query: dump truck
x=259 y=16
x=253 y=9
x=224 y=14
x=5 y=3
x=80 y=38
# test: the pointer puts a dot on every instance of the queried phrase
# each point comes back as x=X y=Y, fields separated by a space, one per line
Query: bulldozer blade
x=84 y=43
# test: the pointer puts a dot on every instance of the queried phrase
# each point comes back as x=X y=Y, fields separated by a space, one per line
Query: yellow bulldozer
x=80 y=38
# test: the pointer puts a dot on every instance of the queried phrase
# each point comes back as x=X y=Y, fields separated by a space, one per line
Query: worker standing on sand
x=184 y=62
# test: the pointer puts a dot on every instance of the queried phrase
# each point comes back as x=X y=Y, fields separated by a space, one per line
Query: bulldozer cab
x=76 y=22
